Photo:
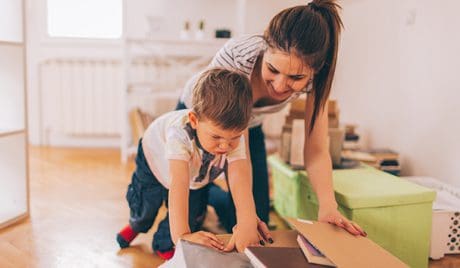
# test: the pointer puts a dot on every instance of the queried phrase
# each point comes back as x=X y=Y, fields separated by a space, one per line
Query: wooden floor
x=77 y=207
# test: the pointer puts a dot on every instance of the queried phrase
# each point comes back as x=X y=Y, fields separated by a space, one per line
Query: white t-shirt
x=239 y=54
x=169 y=137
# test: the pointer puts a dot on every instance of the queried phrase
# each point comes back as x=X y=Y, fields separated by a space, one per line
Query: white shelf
x=12 y=104
x=149 y=41
x=138 y=48
x=11 y=21
x=14 y=182
x=10 y=132
x=11 y=43
x=13 y=177
x=9 y=215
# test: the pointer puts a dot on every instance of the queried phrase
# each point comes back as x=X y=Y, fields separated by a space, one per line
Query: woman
x=297 y=54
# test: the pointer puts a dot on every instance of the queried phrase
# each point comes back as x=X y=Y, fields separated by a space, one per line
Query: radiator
x=81 y=97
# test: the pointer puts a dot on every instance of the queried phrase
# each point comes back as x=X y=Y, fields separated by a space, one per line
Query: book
x=343 y=248
x=190 y=254
x=277 y=257
x=384 y=154
x=312 y=254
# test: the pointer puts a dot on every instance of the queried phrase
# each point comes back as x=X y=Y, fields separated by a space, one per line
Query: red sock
x=128 y=233
x=165 y=255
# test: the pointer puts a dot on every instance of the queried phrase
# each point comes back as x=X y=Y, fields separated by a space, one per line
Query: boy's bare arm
x=178 y=199
x=179 y=208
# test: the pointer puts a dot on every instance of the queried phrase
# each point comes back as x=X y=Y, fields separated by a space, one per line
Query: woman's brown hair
x=312 y=32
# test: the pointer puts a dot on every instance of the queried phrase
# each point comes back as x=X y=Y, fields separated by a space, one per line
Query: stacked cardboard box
x=293 y=132
x=333 y=114
x=296 y=112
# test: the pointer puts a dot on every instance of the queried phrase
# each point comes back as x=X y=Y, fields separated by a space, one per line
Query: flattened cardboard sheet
x=344 y=249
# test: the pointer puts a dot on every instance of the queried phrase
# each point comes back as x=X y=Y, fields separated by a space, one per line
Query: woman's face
x=284 y=73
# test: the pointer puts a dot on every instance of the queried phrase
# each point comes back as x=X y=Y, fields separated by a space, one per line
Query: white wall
x=397 y=78
x=240 y=16
x=259 y=12
x=171 y=15
x=39 y=48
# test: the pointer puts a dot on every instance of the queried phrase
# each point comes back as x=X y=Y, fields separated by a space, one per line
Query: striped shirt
x=239 y=54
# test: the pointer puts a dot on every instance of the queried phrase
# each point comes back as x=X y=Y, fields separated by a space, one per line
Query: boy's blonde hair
x=224 y=97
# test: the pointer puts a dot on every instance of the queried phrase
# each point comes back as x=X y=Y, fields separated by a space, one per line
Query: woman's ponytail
x=322 y=81
x=312 y=32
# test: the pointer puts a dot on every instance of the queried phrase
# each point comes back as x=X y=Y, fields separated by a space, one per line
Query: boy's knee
x=142 y=226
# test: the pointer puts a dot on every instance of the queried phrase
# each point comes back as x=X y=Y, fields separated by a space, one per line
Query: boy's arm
x=179 y=208
x=178 y=198
x=240 y=183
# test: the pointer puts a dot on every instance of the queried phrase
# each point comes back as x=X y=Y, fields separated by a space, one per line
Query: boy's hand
x=205 y=238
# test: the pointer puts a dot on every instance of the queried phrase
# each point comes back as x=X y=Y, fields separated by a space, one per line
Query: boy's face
x=213 y=138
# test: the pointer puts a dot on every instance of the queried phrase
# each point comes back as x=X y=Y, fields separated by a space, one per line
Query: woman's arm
x=317 y=160
x=318 y=165
x=240 y=183
x=241 y=173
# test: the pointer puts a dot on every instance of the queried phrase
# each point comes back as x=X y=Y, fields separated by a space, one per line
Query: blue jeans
x=146 y=195
x=222 y=201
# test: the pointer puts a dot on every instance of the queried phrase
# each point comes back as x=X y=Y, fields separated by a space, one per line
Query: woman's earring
x=308 y=87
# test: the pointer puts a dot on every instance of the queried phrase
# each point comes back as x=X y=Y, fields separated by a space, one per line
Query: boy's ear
x=193 y=118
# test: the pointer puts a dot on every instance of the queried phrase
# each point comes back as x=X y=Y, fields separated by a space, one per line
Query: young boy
x=182 y=152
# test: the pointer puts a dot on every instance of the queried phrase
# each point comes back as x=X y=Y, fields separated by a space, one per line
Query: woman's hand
x=243 y=237
x=333 y=216
x=264 y=232
x=263 y=236
x=204 y=238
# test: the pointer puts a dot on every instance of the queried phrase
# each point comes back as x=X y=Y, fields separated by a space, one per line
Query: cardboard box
x=396 y=214
x=336 y=138
x=344 y=249
x=298 y=106
x=332 y=107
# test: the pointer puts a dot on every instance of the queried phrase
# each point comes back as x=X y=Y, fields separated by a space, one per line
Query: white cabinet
x=14 y=193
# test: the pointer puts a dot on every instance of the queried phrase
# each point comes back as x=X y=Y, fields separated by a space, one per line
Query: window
x=85 y=18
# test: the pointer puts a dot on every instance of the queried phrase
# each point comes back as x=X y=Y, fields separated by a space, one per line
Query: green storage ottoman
x=396 y=214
